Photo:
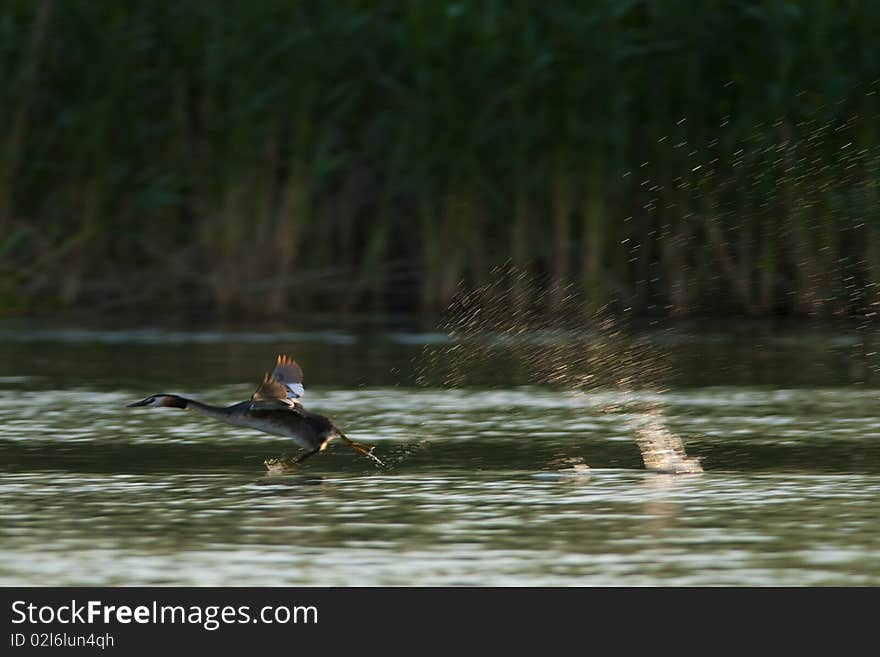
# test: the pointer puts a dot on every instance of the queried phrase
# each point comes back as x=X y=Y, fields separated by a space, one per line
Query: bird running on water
x=274 y=408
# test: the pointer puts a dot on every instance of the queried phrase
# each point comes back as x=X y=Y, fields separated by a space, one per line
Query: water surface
x=504 y=481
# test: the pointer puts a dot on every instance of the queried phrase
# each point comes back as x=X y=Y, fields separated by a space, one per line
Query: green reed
x=248 y=158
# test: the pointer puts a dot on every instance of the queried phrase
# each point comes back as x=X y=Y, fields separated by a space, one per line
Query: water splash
x=574 y=346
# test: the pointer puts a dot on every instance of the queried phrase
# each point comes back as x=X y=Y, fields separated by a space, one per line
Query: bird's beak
x=142 y=402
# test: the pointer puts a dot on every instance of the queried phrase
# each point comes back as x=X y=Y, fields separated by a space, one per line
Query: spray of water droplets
x=574 y=346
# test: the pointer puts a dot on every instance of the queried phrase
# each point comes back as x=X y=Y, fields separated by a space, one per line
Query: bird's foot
x=281 y=465
x=367 y=450
x=369 y=454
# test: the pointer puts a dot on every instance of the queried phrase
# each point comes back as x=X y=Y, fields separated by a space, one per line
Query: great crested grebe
x=274 y=408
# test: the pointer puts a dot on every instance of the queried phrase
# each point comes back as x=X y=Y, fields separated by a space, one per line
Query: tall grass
x=250 y=158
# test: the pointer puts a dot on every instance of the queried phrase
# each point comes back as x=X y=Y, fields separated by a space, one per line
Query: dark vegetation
x=251 y=158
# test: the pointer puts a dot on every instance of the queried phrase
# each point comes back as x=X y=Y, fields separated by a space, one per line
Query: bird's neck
x=216 y=412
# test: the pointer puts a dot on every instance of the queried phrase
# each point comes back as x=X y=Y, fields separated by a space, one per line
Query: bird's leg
x=366 y=450
x=302 y=457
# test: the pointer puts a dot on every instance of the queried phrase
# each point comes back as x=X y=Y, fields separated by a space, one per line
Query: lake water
x=497 y=479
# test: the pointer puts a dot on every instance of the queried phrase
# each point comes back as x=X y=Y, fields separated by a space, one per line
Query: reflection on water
x=495 y=483
x=613 y=527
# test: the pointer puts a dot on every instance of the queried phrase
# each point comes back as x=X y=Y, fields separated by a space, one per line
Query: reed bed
x=244 y=159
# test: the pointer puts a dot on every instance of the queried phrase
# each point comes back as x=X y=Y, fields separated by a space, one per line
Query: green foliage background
x=250 y=158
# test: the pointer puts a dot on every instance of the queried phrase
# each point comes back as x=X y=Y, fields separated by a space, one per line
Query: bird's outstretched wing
x=281 y=388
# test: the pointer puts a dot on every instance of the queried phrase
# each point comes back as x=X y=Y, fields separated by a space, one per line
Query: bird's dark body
x=306 y=428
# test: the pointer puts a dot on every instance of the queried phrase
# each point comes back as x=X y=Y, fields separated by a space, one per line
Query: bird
x=275 y=408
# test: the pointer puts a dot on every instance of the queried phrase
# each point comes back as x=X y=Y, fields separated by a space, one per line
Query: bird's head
x=157 y=401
